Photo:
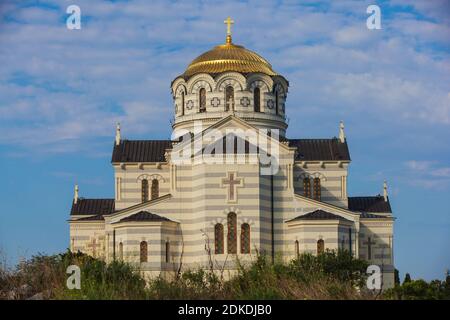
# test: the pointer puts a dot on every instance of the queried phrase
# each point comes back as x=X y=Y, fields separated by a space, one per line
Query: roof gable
x=319 y=215
x=143 y=216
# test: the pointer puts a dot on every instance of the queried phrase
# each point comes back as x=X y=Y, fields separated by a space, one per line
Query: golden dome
x=229 y=57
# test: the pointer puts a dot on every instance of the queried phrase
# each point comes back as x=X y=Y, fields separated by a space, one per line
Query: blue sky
x=62 y=91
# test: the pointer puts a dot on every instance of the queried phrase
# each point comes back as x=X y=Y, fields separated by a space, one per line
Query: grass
x=332 y=275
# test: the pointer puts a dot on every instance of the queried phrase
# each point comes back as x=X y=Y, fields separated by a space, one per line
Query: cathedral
x=230 y=183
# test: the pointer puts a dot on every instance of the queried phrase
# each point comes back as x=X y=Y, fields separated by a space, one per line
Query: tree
x=396 y=277
x=407 y=278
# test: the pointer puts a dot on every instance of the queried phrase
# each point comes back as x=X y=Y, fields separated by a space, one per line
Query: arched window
x=276 y=102
x=231 y=236
x=143 y=251
x=297 y=249
x=202 y=100
x=218 y=238
x=257 y=99
x=317 y=189
x=229 y=98
x=307 y=187
x=182 y=103
x=320 y=246
x=245 y=238
x=167 y=251
x=121 y=251
x=144 y=190
x=155 y=189
x=94 y=248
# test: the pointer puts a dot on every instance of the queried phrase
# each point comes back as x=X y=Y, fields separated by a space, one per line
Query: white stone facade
x=178 y=225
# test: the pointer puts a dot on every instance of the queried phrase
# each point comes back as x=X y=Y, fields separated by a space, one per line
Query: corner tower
x=230 y=79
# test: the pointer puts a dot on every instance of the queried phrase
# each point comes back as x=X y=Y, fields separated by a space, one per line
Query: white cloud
x=428 y=174
x=62 y=85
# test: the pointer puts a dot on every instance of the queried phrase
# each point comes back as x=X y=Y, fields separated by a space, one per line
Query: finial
x=75 y=194
x=228 y=22
x=385 y=193
x=118 y=134
x=341 y=132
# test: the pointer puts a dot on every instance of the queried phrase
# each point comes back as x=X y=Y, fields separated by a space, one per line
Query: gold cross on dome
x=229 y=22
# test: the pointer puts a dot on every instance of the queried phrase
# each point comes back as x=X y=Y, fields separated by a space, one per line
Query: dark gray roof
x=308 y=149
x=366 y=215
x=369 y=204
x=320 y=149
x=144 y=216
x=92 y=206
x=319 y=215
x=98 y=217
x=140 y=151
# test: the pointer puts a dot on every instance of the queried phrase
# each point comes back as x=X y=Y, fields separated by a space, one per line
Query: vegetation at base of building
x=331 y=275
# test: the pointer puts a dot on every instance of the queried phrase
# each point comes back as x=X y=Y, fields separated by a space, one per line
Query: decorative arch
x=236 y=80
x=200 y=81
x=176 y=84
x=280 y=81
x=180 y=88
x=262 y=85
x=149 y=177
x=312 y=176
x=280 y=89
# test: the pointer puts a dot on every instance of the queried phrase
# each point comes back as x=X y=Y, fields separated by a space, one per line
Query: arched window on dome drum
x=276 y=102
x=144 y=190
x=317 y=189
x=320 y=246
x=229 y=98
x=232 y=234
x=297 y=249
x=245 y=238
x=182 y=103
x=155 y=189
x=307 y=187
x=218 y=238
x=143 y=252
x=202 y=100
x=257 y=99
